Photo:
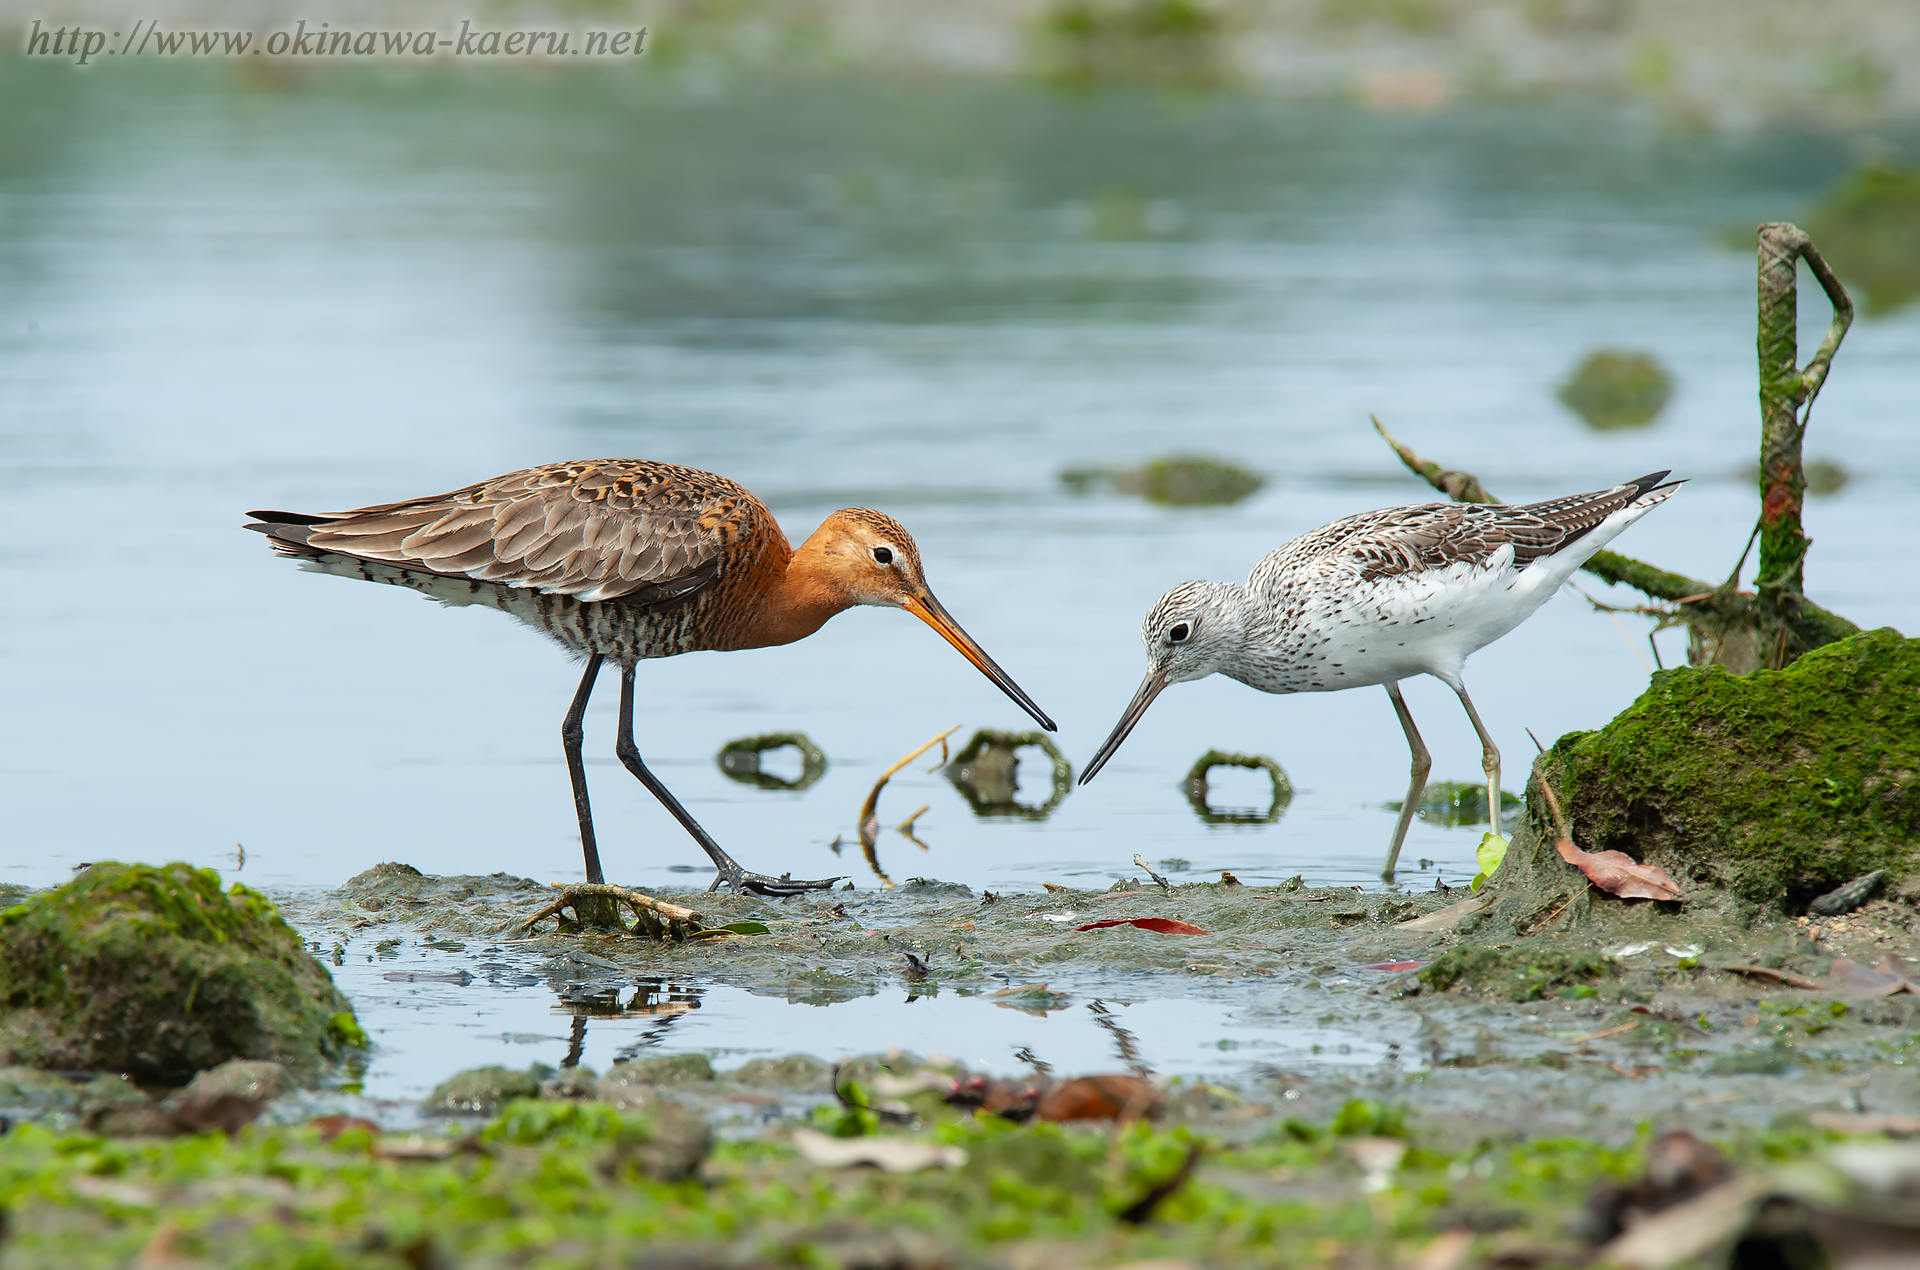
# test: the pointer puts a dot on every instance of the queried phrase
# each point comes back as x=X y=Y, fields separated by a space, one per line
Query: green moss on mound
x=1776 y=785
x=157 y=972
x=1519 y=975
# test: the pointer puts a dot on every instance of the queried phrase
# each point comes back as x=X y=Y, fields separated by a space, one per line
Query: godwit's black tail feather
x=288 y=535
x=292 y=518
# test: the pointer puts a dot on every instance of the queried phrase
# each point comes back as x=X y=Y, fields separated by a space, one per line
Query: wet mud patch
x=1293 y=1000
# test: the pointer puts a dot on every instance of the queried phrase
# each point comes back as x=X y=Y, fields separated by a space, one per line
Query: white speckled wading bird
x=630 y=559
x=1378 y=597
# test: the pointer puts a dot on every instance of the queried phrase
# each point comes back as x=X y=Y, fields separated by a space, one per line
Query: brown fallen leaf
x=1618 y=873
x=1862 y=982
x=331 y=1127
x=1158 y=925
x=1892 y=966
x=1687 y=1230
x=1099 y=1098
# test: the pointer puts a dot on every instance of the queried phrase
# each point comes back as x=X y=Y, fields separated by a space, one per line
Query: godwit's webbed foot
x=737 y=879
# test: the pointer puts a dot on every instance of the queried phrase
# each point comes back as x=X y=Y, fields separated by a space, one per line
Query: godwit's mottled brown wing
x=599 y=529
x=1401 y=540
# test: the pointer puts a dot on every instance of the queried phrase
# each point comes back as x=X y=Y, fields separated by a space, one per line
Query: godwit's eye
x=1179 y=633
x=883 y=554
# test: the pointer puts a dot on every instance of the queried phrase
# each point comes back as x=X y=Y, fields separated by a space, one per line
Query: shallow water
x=319 y=294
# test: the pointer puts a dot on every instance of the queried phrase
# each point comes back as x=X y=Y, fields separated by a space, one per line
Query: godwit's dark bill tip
x=934 y=614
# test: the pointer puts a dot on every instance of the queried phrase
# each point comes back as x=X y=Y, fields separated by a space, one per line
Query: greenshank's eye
x=1178 y=633
x=883 y=554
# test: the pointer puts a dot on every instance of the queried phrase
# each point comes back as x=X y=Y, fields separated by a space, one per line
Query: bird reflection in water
x=657 y=999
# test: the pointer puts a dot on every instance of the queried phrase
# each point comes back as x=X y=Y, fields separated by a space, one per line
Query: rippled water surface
x=217 y=295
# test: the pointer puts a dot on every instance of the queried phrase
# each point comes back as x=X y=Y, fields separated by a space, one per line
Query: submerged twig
x=870 y=822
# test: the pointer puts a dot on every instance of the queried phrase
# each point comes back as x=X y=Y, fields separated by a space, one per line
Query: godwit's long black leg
x=730 y=871
x=572 y=733
x=1422 y=764
x=1489 y=757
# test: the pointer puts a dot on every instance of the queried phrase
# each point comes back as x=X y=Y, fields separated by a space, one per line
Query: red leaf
x=1158 y=925
x=1618 y=873
x=1099 y=1097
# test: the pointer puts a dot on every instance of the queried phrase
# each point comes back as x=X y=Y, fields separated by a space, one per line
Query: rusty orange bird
x=630 y=559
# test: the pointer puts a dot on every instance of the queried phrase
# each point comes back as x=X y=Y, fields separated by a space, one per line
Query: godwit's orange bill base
x=1378 y=597
x=630 y=559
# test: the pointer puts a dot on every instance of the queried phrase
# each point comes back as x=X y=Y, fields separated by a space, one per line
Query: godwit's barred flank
x=1379 y=597
x=629 y=559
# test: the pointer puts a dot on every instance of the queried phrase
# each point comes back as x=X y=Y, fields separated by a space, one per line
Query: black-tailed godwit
x=629 y=559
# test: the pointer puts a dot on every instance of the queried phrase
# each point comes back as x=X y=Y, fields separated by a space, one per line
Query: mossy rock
x=157 y=972
x=795 y=1071
x=482 y=1090
x=1769 y=788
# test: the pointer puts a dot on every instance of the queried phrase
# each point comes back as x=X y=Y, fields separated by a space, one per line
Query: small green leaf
x=1492 y=850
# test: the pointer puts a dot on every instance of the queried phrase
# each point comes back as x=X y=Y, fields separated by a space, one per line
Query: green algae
x=986 y=773
x=549 y=1185
x=157 y=972
x=739 y=760
x=1527 y=974
x=1456 y=803
x=1176 y=481
x=1611 y=389
x=1774 y=786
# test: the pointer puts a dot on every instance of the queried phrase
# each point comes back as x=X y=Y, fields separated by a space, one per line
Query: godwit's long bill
x=1379 y=597
x=630 y=559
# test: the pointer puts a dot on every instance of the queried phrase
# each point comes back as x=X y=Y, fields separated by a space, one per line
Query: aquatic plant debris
x=1615 y=388
x=1158 y=925
x=870 y=821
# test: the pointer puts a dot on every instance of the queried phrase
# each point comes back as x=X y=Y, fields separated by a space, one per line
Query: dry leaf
x=1449 y=917
x=1158 y=925
x=894 y=1155
x=1099 y=1098
x=1862 y=982
x=1618 y=873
